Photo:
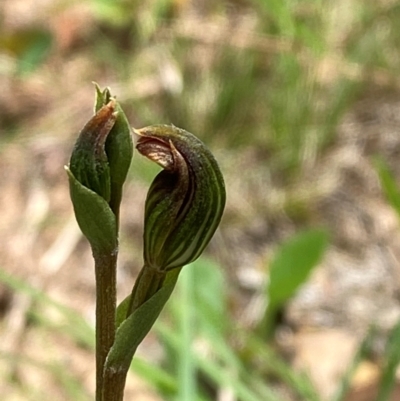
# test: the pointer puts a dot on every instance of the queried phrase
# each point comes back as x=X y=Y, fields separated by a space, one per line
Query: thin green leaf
x=290 y=268
x=221 y=373
x=361 y=353
x=389 y=185
x=157 y=377
x=270 y=363
x=208 y=317
x=210 y=295
x=133 y=330
x=80 y=331
x=187 y=389
x=293 y=263
x=392 y=358
x=75 y=325
x=67 y=382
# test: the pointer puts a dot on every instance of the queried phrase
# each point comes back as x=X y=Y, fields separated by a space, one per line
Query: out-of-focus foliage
x=290 y=268
x=29 y=46
x=389 y=185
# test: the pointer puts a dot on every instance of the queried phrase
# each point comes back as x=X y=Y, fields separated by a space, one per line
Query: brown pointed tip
x=156 y=150
x=136 y=131
x=141 y=132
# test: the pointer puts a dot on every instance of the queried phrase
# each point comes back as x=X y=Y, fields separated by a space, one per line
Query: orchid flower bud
x=97 y=170
x=186 y=200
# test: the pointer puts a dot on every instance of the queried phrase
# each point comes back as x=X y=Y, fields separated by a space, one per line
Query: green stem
x=132 y=332
x=106 y=298
x=147 y=284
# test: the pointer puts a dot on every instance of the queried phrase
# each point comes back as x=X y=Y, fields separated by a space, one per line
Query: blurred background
x=297 y=296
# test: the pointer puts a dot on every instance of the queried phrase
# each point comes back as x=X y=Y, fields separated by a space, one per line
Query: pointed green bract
x=95 y=218
x=102 y=97
x=118 y=147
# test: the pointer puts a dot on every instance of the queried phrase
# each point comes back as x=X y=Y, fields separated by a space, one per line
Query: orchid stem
x=106 y=295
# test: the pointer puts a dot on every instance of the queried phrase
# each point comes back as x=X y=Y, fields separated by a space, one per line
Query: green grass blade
x=290 y=268
x=218 y=372
x=204 y=291
x=294 y=262
x=389 y=185
x=75 y=325
x=186 y=364
x=157 y=377
x=82 y=333
x=68 y=383
x=273 y=364
x=361 y=353
x=392 y=361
